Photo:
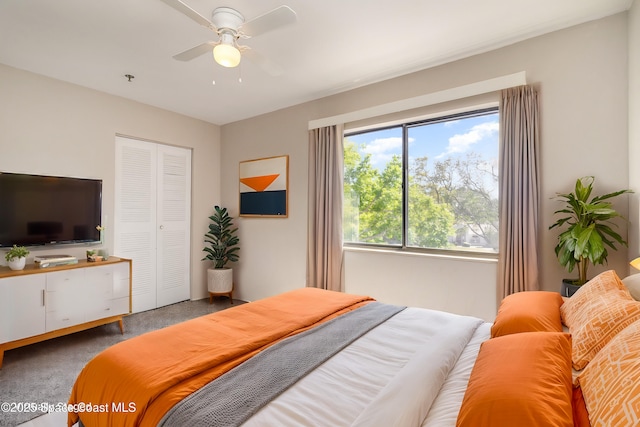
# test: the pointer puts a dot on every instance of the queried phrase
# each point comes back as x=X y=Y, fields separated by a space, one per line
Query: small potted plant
x=223 y=248
x=92 y=256
x=16 y=257
x=587 y=231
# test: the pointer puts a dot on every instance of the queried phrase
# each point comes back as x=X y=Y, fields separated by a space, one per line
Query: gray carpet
x=45 y=372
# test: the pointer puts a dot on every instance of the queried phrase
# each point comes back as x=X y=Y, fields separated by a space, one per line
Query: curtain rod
x=472 y=89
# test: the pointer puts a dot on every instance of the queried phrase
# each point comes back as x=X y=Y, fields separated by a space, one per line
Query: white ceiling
x=335 y=45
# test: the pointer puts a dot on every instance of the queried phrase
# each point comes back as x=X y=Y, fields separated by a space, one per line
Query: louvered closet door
x=135 y=216
x=152 y=214
x=174 y=201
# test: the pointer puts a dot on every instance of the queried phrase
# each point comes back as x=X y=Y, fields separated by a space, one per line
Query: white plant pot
x=220 y=280
x=17 y=263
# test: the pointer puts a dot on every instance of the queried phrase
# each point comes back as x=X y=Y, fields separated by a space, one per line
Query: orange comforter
x=135 y=382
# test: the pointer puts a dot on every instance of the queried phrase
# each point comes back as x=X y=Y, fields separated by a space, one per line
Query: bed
x=312 y=357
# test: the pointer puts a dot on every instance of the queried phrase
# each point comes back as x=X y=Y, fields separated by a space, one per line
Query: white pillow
x=633 y=285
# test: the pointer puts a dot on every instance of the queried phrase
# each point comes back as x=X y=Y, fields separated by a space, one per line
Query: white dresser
x=37 y=304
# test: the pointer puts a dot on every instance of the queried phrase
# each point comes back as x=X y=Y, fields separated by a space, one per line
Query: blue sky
x=437 y=141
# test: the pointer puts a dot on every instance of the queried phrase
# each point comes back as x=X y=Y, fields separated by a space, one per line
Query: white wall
x=54 y=128
x=272 y=250
x=461 y=286
x=582 y=76
x=634 y=129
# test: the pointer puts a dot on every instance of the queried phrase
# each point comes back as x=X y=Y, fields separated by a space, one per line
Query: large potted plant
x=587 y=232
x=222 y=248
x=16 y=257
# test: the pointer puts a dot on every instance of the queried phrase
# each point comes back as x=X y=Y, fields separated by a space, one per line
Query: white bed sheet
x=342 y=389
x=444 y=411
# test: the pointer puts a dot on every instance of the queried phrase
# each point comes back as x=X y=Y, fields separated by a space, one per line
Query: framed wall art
x=264 y=187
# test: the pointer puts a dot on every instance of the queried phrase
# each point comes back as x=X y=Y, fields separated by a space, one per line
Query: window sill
x=449 y=255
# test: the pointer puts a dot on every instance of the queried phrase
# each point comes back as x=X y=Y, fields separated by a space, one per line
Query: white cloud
x=461 y=142
x=383 y=145
x=383 y=149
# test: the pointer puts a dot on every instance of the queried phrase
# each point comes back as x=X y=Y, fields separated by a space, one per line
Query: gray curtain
x=519 y=191
x=324 y=228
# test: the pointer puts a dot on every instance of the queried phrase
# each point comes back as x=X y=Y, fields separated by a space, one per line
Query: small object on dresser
x=43 y=261
x=92 y=256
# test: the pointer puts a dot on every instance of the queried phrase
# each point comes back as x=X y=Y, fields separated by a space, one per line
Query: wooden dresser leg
x=121 y=326
x=1 y=357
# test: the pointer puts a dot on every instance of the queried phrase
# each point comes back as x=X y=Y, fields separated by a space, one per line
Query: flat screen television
x=38 y=210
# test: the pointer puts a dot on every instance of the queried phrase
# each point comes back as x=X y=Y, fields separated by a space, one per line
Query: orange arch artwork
x=264 y=186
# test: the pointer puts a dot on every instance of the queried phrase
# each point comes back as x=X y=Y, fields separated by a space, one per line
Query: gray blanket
x=235 y=396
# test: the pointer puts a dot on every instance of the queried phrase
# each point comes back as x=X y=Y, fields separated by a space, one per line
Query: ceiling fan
x=230 y=26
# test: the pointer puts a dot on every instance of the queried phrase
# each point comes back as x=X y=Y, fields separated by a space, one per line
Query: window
x=431 y=184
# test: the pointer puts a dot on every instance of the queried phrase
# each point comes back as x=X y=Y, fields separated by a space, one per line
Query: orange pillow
x=600 y=310
x=607 y=316
x=533 y=311
x=603 y=283
x=611 y=382
x=580 y=414
x=520 y=380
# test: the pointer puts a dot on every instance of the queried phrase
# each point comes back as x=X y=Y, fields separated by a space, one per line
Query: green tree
x=351 y=198
x=360 y=186
x=373 y=205
x=468 y=186
x=381 y=222
x=430 y=223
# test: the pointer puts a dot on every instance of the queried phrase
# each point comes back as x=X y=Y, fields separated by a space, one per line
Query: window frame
x=405 y=126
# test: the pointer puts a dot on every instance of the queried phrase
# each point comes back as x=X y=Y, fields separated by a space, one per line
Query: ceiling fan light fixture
x=227 y=55
x=230 y=27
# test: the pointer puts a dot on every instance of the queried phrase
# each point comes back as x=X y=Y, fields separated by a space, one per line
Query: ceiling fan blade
x=277 y=18
x=186 y=10
x=194 y=52
x=268 y=66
